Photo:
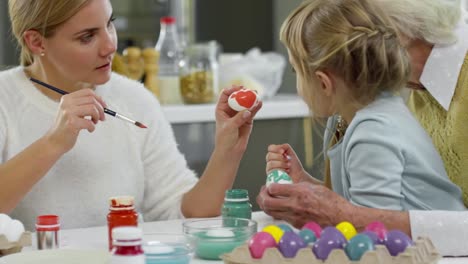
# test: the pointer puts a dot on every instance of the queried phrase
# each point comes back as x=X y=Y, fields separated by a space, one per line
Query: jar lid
x=47 y=223
x=238 y=195
x=121 y=201
x=127 y=235
x=167 y=20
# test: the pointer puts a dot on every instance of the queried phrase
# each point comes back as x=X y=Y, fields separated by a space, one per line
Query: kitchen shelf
x=281 y=106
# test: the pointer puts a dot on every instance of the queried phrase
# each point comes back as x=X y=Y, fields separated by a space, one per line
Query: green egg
x=357 y=246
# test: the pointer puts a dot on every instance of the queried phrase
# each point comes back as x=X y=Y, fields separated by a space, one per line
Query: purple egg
x=324 y=246
x=396 y=242
x=378 y=228
x=373 y=236
x=259 y=243
x=332 y=233
x=314 y=227
x=290 y=243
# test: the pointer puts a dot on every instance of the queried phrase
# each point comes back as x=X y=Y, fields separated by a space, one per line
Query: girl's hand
x=284 y=158
x=233 y=128
x=79 y=110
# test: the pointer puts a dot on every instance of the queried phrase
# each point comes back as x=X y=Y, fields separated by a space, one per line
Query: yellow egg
x=347 y=229
x=275 y=231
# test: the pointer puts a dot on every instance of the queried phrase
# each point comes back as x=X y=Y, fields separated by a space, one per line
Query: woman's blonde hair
x=353 y=39
x=45 y=16
x=430 y=20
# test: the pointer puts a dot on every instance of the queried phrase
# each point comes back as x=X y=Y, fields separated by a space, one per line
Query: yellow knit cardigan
x=448 y=129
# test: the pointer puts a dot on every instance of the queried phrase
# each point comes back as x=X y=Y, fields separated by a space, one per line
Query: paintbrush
x=106 y=110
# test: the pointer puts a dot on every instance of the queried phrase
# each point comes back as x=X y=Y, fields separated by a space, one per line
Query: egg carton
x=423 y=252
x=7 y=247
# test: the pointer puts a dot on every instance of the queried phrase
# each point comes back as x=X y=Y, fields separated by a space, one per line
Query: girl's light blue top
x=386 y=160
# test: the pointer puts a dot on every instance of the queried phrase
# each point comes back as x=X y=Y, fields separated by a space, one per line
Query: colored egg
x=314 y=227
x=347 y=229
x=396 y=242
x=278 y=176
x=373 y=236
x=290 y=243
x=285 y=227
x=358 y=245
x=243 y=99
x=259 y=243
x=331 y=233
x=324 y=246
x=308 y=236
x=275 y=231
x=378 y=228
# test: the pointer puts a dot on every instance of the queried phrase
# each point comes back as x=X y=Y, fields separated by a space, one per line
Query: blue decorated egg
x=358 y=245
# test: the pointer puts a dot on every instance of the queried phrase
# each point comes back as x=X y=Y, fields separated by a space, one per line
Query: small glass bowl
x=166 y=248
x=211 y=238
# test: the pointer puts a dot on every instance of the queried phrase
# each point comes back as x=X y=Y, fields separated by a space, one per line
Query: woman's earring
x=42 y=54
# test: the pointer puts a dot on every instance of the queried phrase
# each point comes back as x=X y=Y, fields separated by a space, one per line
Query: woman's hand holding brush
x=79 y=110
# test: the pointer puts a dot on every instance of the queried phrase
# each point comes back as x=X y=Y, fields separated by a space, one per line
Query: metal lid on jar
x=236 y=195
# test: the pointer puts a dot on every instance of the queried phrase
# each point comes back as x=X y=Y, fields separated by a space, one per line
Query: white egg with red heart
x=243 y=99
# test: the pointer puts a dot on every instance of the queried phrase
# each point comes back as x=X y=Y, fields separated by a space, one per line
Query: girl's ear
x=34 y=41
x=326 y=82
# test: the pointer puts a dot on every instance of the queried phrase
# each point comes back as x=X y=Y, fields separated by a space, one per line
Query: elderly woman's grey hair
x=431 y=20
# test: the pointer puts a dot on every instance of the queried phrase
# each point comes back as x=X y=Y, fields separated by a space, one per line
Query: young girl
x=349 y=62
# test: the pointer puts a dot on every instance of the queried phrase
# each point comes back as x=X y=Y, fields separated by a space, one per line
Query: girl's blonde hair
x=430 y=20
x=353 y=39
x=45 y=16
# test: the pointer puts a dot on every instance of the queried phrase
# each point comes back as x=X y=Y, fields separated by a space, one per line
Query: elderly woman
x=437 y=44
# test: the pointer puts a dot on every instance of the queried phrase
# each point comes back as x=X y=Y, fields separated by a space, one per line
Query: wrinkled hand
x=233 y=128
x=303 y=202
x=284 y=158
x=79 y=110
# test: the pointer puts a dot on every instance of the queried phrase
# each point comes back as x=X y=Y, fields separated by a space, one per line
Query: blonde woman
x=437 y=44
x=55 y=160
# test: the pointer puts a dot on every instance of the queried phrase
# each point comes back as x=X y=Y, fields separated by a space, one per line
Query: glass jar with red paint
x=121 y=213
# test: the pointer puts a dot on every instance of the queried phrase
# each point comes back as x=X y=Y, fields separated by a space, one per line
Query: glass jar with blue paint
x=236 y=205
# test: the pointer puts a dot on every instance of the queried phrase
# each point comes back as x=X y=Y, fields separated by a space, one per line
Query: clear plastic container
x=170 y=59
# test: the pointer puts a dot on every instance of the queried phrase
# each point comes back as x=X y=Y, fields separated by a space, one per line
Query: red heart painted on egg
x=245 y=98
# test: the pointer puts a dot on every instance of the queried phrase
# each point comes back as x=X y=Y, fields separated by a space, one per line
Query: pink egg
x=259 y=243
x=378 y=228
x=314 y=227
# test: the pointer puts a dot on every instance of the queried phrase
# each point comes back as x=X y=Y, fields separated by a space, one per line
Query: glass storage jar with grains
x=199 y=75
